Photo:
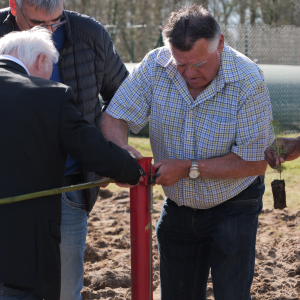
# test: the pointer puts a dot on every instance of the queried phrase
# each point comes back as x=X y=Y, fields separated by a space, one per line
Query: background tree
x=135 y=25
x=280 y=12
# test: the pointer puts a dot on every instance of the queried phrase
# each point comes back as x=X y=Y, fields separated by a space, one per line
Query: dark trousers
x=222 y=238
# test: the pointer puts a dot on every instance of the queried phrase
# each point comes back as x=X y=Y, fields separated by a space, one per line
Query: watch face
x=194 y=174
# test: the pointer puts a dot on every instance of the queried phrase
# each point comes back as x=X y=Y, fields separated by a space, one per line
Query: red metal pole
x=141 y=237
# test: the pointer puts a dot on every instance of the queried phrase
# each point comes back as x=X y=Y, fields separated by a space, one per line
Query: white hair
x=213 y=44
x=29 y=44
x=48 y=6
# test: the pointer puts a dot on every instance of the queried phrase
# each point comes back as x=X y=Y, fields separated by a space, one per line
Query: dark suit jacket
x=39 y=125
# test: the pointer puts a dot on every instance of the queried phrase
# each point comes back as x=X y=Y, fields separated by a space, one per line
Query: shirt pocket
x=215 y=137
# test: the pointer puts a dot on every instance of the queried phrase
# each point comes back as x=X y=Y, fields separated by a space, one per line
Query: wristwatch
x=194 y=170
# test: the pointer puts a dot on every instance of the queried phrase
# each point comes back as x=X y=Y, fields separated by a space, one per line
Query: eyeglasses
x=53 y=26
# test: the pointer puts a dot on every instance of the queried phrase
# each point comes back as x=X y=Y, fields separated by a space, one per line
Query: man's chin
x=197 y=84
x=194 y=84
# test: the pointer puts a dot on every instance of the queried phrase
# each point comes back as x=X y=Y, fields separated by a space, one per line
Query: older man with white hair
x=91 y=66
x=40 y=125
x=209 y=119
x=36 y=50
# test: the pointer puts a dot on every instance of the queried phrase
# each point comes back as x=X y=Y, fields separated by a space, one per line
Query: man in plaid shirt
x=209 y=119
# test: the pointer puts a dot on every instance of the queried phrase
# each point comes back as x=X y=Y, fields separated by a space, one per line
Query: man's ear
x=221 y=43
x=13 y=7
x=40 y=62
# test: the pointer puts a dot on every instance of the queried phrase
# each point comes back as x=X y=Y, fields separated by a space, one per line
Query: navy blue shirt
x=58 y=38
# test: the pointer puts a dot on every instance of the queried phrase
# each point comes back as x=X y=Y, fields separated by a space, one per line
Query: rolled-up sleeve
x=254 y=131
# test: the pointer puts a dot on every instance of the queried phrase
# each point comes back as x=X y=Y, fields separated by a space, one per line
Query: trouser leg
x=184 y=255
x=232 y=256
x=73 y=238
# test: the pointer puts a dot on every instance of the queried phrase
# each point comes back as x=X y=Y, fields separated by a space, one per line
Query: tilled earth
x=107 y=255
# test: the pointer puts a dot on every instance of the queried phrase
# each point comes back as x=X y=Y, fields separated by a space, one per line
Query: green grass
x=291 y=176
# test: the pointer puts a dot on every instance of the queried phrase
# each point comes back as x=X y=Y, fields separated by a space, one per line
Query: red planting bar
x=141 y=236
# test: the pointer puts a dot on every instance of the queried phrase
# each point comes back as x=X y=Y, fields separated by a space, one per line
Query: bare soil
x=107 y=255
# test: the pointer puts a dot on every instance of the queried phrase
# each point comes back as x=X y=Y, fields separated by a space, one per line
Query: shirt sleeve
x=132 y=101
x=254 y=131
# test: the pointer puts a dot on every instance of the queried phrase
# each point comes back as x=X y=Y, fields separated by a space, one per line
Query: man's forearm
x=226 y=167
x=292 y=148
x=230 y=166
x=114 y=130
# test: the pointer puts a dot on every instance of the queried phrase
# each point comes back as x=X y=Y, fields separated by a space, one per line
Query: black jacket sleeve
x=87 y=145
x=114 y=71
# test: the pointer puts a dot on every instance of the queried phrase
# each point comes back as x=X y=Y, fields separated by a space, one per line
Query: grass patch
x=291 y=176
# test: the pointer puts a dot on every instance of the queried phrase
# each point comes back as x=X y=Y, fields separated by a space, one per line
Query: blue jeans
x=7 y=293
x=73 y=237
x=222 y=238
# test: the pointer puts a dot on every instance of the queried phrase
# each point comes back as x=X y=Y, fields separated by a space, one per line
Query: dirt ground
x=107 y=255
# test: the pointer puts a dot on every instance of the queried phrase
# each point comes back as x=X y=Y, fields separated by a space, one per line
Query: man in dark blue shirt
x=58 y=36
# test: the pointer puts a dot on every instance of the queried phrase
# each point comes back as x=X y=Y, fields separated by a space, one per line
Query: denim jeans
x=7 y=293
x=222 y=238
x=73 y=237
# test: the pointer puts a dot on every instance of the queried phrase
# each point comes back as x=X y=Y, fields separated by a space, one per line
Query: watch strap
x=195 y=163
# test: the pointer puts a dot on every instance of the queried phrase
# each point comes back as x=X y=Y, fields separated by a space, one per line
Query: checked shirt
x=233 y=114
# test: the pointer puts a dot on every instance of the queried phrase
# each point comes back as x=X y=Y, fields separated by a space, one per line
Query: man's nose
x=189 y=71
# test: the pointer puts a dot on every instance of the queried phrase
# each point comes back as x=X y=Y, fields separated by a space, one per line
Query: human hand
x=133 y=151
x=104 y=185
x=171 y=171
x=291 y=151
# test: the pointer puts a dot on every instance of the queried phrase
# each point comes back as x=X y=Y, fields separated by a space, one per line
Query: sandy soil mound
x=107 y=255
